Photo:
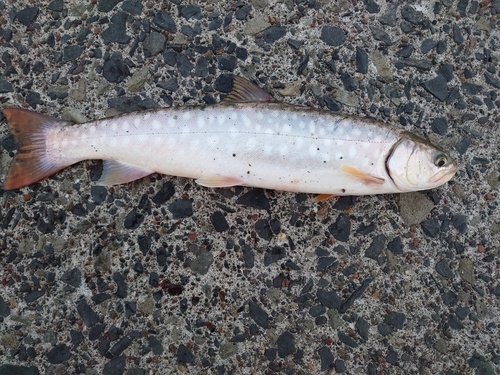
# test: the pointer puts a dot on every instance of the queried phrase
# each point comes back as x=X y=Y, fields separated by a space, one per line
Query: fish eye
x=440 y=160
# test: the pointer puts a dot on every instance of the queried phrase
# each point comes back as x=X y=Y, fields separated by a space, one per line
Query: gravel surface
x=161 y=276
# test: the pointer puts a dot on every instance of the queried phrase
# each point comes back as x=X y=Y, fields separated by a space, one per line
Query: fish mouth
x=443 y=176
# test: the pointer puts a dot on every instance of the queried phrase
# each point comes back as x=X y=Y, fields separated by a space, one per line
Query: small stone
x=363 y=328
x=18 y=370
x=490 y=80
x=58 y=354
x=5 y=86
x=333 y=36
x=326 y=356
x=443 y=268
x=395 y=319
x=437 y=87
x=115 y=70
x=389 y=18
x=348 y=340
x=201 y=264
x=454 y=323
x=190 y=11
x=340 y=366
x=107 y=5
x=72 y=52
x=27 y=16
x=98 y=193
x=274 y=33
x=72 y=277
x=273 y=255
x=466 y=270
x=361 y=60
x=4 y=309
x=257 y=24
x=430 y=227
x=346 y=305
x=132 y=6
x=170 y=85
x=248 y=256
x=329 y=299
x=219 y=221
x=469 y=88
x=376 y=247
x=295 y=44
x=460 y=223
x=457 y=34
x=449 y=298
x=411 y=15
x=155 y=43
x=258 y=315
x=254 y=198
x=285 y=344
x=137 y=81
x=56 y=5
x=372 y=6
x=381 y=35
x=184 y=355
x=133 y=220
x=227 y=62
x=115 y=367
x=427 y=46
x=439 y=126
x=89 y=316
x=243 y=12
x=121 y=290
x=341 y=229
x=228 y=350
x=414 y=207
x=181 y=208
x=117 y=30
x=155 y=344
x=463 y=145
x=164 y=20
x=384 y=329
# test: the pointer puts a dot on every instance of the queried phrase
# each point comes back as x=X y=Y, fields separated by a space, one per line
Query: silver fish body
x=259 y=143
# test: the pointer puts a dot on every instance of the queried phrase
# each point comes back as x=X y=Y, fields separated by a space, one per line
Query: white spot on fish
x=147 y=115
x=365 y=145
x=186 y=115
x=321 y=132
x=268 y=149
x=284 y=149
x=356 y=132
x=221 y=120
x=137 y=121
x=299 y=142
x=64 y=143
x=156 y=124
x=114 y=126
x=201 y=122
x=313 y=150
x=260 y=115
x=312 y=127
x=92 y=129
x=246 y=120
x=352 y=151
x=302 y=125
x=258 y=128
x=251 y=144
x=269 y=131
x=327 y=142
x=286 y=129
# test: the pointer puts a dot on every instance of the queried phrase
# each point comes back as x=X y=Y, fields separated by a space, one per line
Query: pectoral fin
x=365 y=177
x=244 y=91
x=115 y=172
x=220 y=181
x=324 y=197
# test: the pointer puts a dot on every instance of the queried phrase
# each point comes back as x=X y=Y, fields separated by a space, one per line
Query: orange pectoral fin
x=365 y=177
x=220 y=181
x=324 y=197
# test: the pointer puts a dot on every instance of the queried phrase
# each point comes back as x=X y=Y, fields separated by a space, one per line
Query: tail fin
x=31 y=164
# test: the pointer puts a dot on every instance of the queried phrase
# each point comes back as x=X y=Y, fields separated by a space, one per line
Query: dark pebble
x=88 y=315
x=437 y=87
x=100 y=298
x=164 y=194
x=449 y=298
x=33 y=99
x=96 y=331
x=354 y=296
x=170 y=85
x=326 y=356
x=427 y=46
x=341 y=229
x=443 y=268
x=223 y=83
x=115 y=367
x=381 y=35
x=219 y=221
x=457 y=34
x=263 y=229
x=460 y=223
x=395 y=319
x=181 y=208
x=326 y=262
x=34 y=295
x=441 y=47
x=376 y=247
x=295 y=44
x=455 y=323
x=184 y=355
x=133 y=219
x=273 y=255
x=343 y=203
x=439 y=126
x=329 y=299
x=384 y=329
x=164 y=20
x=258 y=314
x=446 y=70
x=430 y=227
x=363 y=328
x=98 y=193
x=27 y=16
x=58 y=354
x=248 y=256
x=76 y=338
x=331 y=103
x=243 y=12
x=121 y=290
x=155 y=43
x=144 y=243
x=348 y=82
x=361 y=60
x=120 y=346
x=255 y=198
x=72 y=277
x=56 y=5
x=5 y=86
x=117 y=30
x=333 y=36
x=107 y=5
x=72 y=52
x=340 y=366
x=285 y=344
x=389 y=18
x=132 y=6
x=115 y=70
x=463 y=145
x=227 y=62
x=155 y=345
x=4 y=308
x=496 y=290
x=190 y=11
x=271 y=354
x=490 y=80
x=417 y=63
x=471 y=88
x=274 y=33
x=372 y=6
x=346 y=339
x=462 y=312
x=405 y=51
x=392 y=356
x=18 y=370
x=411 y=15
x=317 y=310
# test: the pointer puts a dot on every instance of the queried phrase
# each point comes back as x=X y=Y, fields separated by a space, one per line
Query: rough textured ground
x=162 y=276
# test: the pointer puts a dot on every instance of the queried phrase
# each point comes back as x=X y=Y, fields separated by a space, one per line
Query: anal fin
x=245 y=91
x=324 y=197
x=365 y=177
x=115 y=173
x=220 y=181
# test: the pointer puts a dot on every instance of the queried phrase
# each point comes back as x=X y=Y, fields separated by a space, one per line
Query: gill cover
x=415 y=164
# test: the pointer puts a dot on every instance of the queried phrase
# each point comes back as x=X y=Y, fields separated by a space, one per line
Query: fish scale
x=248 y=139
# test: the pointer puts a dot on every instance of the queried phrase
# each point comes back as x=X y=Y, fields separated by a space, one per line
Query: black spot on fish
x=234 y=155
x=343 y=190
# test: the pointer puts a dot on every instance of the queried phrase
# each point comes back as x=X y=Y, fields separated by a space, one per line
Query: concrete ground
x=162 y=276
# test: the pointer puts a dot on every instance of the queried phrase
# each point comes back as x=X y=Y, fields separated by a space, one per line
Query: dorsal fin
x=244 y=91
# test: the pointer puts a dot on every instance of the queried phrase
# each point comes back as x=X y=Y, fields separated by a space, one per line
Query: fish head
x=416 y=164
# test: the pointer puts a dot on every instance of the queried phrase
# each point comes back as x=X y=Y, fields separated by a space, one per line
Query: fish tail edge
x=31 y=163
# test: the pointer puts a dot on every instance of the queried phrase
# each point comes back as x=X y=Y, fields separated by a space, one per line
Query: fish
x=247 y=139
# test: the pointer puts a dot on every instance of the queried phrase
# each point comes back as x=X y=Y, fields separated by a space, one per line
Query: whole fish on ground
x=248 y=139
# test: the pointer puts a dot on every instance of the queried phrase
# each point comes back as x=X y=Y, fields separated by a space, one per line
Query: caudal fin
x=31 y=164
